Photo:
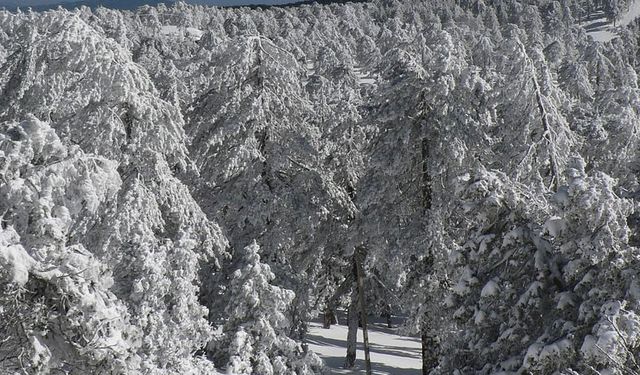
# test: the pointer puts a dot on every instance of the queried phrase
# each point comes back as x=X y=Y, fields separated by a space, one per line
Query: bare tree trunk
x=429 y=351
x=359 y=260
x=352 y=333
x=429 y=341
x=427 y=191
x=329 y=318
x=546 y=127
x=387 y=315
x=547 y=133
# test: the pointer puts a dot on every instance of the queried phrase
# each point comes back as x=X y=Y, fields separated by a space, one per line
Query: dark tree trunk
x=298 y=328
x=429 y=351
x=429 y=341
x=387 y=315
x=359 y=260
x=329 y=318
x=344 y=288
x=426 y=176
x=352 y=333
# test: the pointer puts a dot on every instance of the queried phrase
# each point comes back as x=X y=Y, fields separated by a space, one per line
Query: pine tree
x=152 y=236
x=255 y=335
x=58 y=312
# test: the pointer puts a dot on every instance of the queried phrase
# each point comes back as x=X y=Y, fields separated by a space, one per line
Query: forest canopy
x=184 y=188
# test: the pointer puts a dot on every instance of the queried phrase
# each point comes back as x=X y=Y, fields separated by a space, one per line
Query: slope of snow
x=631 y=14
x=391 y=354
x=601 y=29
x=190 y=32
x=603 y=32
x=365 y=78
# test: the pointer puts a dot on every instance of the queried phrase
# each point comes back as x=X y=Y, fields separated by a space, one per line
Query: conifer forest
x=187 y=189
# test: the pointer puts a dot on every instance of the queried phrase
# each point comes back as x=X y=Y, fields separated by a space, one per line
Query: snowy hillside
x=199 y=190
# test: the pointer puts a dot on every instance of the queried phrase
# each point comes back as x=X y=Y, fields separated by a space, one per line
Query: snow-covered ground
x=189 y=32
x=631 y=14
x=602 y=30
x=391 y=354
x=365 y=78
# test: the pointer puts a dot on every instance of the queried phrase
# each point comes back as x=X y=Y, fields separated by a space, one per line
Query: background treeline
x=172 y=202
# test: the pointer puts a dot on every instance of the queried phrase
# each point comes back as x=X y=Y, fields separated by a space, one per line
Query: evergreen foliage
x=483 y=155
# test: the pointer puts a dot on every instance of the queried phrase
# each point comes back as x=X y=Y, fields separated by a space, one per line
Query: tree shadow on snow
x=323 y=341
x=377 y=368
x=397 y=351
x=596 y=25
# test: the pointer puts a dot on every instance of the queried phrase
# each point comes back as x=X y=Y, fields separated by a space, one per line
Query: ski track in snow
x=602 y=30
x=391 y=354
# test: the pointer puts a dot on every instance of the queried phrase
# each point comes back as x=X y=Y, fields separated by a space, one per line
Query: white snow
x=631 y=14
x=479 y=317
x=490 y=289
x=41 y=354
x=189 y=32
x=555 y=226
x=555 y=349
x=365 y=78
x=601 y=346
x=564 y=300
x=601 y=29
x=391 y=354
x=14 y=258
x=539 y=353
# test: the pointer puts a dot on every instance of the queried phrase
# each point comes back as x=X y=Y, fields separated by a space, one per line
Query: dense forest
x=183 y=188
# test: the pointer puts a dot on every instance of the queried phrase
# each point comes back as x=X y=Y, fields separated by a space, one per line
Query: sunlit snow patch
x=189 y=32
x=601 y=28
x=365 y=78
x=391 y=353
x=14 y=260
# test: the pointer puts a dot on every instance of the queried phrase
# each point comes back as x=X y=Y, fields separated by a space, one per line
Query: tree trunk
x=352 y=333
x=359 y=260
x=329 y=318
x=553 y=163
x=429 y=351
x=547 y=134
x=429 y=341
x=426 y=176
x=387 y=315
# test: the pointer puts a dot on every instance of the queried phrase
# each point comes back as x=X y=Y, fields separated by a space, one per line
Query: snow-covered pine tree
x=274 y=167
x=533 y=134
x=496 y=295
x=58 y=313
x=421 y=144
x=544 y=281
x=153 y=238
x=255 y=336
x=595 y=318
